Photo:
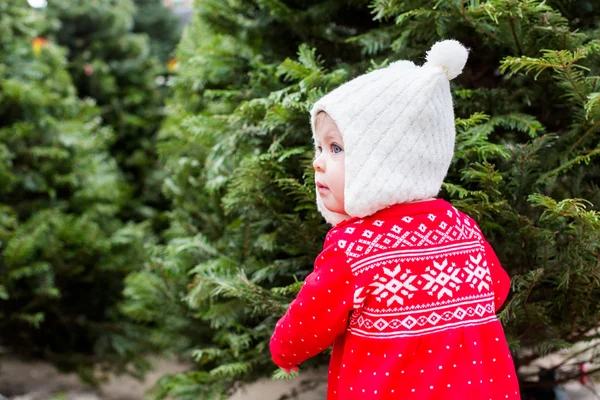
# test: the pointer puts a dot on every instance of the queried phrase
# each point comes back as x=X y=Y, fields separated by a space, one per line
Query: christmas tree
x=112 y=62
x=237 y=146
x=64 y=248
x=160 y=24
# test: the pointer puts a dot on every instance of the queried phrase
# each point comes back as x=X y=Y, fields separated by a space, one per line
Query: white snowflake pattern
x=438 y=279
x=391 y=285
x=358 y=300
x=478 y=273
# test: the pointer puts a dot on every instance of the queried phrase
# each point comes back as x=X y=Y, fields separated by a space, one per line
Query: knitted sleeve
x=319 y=313
x=500 y=278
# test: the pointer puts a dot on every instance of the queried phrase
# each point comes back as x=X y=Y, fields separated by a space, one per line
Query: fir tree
x=237 y=146
x=116 y=67
x=64 y=251
x=160 y=24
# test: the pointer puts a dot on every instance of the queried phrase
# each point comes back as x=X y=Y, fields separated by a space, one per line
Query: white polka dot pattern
x=421 y=286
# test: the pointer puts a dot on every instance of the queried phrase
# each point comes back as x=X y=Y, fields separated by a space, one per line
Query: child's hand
x=290 y=370
x=285 y=373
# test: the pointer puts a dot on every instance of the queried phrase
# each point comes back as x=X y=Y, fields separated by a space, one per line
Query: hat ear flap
x=331 y=217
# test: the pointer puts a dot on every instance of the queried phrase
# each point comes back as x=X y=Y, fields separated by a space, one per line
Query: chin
x=336 y=208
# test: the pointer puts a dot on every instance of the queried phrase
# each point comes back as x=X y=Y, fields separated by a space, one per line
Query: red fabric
x=408 y=298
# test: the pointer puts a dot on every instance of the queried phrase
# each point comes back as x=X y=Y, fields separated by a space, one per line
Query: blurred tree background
x=79 y=113
x=197 y=220
x=161 y=25
x=112 y=61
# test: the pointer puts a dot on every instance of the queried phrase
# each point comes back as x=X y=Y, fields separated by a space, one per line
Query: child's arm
x=500 y=278
x=319 y=313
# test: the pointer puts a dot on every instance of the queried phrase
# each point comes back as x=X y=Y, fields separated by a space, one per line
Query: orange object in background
x=173 y=65
x=38 y=43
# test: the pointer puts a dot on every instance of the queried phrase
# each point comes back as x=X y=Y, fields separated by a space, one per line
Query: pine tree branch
x=462 y=12
x=168 y=291
x=593 y=84
x=247 y=239
x=568 y=165
x=511 y=21
x=526 y=309
x=596 y=125
x=582 y=245
x=567 y=69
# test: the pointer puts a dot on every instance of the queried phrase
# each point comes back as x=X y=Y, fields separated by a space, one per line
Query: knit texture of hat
x=397 y=124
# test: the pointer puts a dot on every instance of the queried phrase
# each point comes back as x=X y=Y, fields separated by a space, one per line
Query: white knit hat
x=398 y=129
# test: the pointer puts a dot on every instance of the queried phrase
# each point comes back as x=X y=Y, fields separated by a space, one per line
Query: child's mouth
x=322 y=188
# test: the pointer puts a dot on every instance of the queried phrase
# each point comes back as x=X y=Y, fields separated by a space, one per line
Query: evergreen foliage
x=65 y=245
x=238 y=150
x=160 y=24
x=116 y=67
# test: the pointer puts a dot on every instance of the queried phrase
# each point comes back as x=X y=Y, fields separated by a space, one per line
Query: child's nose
x=318 y=164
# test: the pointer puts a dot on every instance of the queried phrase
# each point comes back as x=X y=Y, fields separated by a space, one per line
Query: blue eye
x=336 y=148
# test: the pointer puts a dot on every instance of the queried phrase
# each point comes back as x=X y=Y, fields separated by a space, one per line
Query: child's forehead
x=328 y=134
x=325 y=127
x=327 y=130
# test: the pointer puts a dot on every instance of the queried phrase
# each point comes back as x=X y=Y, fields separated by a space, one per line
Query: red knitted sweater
x=408 y=298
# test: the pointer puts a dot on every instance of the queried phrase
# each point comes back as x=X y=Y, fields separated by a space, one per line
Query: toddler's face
x=329 y=163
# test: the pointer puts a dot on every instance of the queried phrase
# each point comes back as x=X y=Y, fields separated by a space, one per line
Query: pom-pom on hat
x=398 y=129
